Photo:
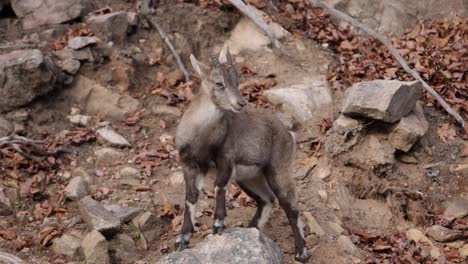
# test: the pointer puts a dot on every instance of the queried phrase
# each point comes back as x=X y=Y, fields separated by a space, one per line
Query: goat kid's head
x=221 y=81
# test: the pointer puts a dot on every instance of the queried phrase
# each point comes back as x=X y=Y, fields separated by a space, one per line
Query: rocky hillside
x=91 y=94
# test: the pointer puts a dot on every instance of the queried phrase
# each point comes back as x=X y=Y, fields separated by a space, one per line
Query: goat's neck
x=202 y=113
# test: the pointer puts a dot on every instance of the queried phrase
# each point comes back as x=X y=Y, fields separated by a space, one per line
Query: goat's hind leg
x=193 y=177
x=284 y=188
x=257 y=188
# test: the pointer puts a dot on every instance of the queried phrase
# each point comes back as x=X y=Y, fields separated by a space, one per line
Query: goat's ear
x=224 y=55
x=200 y=68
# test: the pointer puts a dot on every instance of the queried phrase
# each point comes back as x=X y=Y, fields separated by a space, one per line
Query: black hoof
x=218 y=230
x=302 y=257
x=181 y=245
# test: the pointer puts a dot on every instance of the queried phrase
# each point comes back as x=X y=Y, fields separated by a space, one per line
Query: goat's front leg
x=193 y=177
x=224 y=168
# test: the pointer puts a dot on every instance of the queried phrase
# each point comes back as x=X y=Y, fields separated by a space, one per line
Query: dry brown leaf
x=142 y=188
x=446 y=133
x=7 y=234
x=167 y=209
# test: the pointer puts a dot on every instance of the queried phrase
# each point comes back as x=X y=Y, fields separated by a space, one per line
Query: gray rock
x=108 y=156
x=124 y=214
x=79 y=120
x=95 y=248
x=112 y=26
x=382 y=100
x=5 y=127
x=94 y=98
x=345 y=244
x=84 y=54
x=81 y=42
x=123 y=250
x=5 y=203
x=170 y=114
x=177 y=177
x=457 y=208
x=97 y=217
x=25 y=75
x=108 y=135
x=409 y=130
x=443 y=234
x=68 y=245
x=129 y=172
x=70 y=66
x=235 y=246
x=345 y=124
x=308 y=103
x=76 y=189
x=36 y=13
x=150 y=226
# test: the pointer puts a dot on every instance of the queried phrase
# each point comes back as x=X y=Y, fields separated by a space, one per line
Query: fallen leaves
x=61 y=42
x=47 y=234
x=252 y=91
x=168 y=210
x=7 y=234
x=446 y=132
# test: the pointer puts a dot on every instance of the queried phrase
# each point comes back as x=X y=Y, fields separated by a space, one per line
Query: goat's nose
x=242 y=103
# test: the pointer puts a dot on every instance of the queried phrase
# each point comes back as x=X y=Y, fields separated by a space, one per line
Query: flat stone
x=443 y=234
x=79 y=120
x=235 y=246
x=77 y=189
x=35 y=13
x=410 y=129
x=386 y=100
x=323 y=195
x=108 y=156
x=308 y=103
x=94 y=99
x=6 y=127
x=108 y=135
x=67 y=53
x=25 y=75
x=345 y=124
x=457 y=208
x=112 y=26
x=68 y=245
x=336 y=228
x=97 y=217
x=124 y=214
x=129 y=172
x=177 y=177
x=95 y=248
x=81 y=42
x=314 y=226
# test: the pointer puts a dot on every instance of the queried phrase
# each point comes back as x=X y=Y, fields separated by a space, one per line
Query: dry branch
x=247 y=11
x=395 y=54
x=145 y=12
x=16 y=141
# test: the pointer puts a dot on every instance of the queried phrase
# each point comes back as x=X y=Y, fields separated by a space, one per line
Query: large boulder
x=111 y=26
x=45 y=12
x=97 y=217
x=384 y=100
x=236 y=246
x=393 y=17
x=25 y=75
x=95 y=98
x=308 y=103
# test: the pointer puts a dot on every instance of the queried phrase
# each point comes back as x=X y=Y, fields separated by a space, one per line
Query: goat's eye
x=219 y=85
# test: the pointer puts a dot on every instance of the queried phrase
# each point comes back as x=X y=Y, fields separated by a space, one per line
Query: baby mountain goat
x=252 y=148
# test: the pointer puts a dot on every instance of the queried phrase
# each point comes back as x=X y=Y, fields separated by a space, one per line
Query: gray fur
x=248 y=145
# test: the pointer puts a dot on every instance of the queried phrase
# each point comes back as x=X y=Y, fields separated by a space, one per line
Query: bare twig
x=247 y=11
x=145 y=12
x=395 y=54
x=14 y=142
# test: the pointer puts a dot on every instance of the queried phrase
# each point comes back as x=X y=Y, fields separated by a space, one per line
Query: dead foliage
x=61 y=42
x=437 y=50
x=179 y=95
x=252 y=90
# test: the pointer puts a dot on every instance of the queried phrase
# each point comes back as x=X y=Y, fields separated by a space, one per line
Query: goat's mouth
x=236 y=109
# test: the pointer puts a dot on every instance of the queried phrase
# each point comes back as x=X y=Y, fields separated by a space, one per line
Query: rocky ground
x=381 y=171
